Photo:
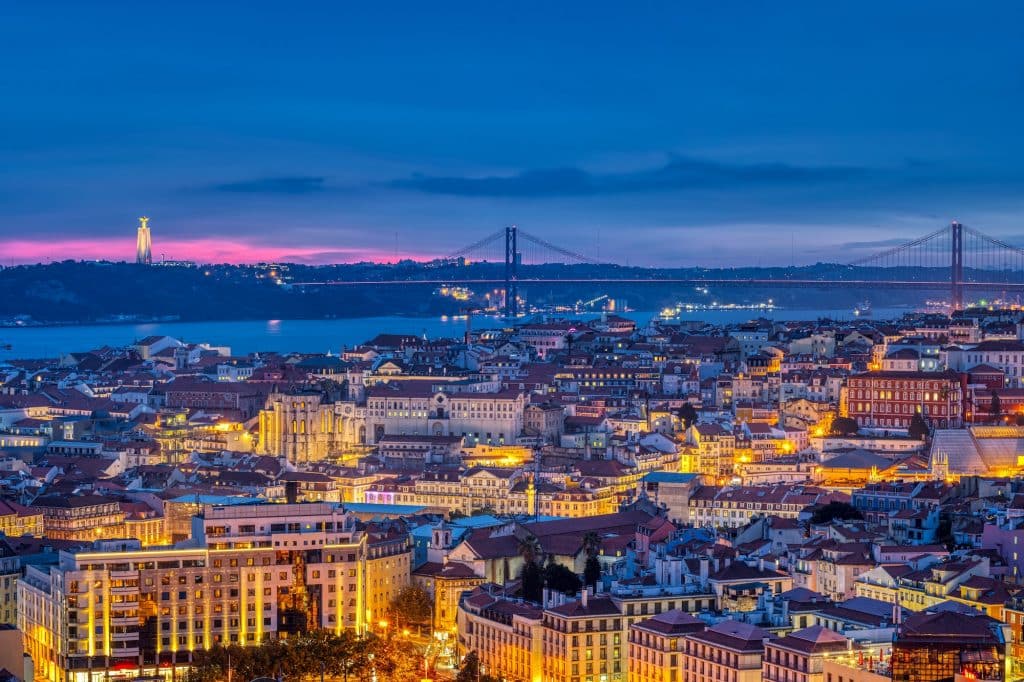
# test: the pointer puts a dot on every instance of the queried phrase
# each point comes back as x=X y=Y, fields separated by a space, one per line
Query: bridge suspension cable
x=888 y=253
x=558 y=249
x=477 y=245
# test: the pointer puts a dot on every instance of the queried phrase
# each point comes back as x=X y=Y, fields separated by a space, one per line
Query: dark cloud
x=299 y=184
x=677 y=175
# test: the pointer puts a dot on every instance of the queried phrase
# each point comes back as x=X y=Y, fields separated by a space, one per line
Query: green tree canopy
x=412 y=605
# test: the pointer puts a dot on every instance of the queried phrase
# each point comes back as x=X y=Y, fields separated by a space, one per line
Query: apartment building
x=257 y=572
x=507 y=636
x=656 y=644
x=583 y=641
x=81 y=517
x=730 y=650
x=800 y=656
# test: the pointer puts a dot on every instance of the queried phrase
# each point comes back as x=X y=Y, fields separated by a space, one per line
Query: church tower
x=143 y=243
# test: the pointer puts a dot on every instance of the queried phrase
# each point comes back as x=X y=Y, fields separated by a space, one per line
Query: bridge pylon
x=511 y=272
x=956 y=271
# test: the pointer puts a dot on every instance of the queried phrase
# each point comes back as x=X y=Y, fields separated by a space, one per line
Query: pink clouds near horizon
x=208 y=250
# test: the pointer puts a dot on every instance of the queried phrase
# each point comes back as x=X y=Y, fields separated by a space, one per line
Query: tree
x=844 y=426
x=835 y=510
x=470 y=668
x=918 y=428
x=591 y=571
x=997 y=407
x=529 y=549
x=558 y=577
x=411 y=606
x=470 y=671
x=687 y=414
x=532 y=579
x=592 y=567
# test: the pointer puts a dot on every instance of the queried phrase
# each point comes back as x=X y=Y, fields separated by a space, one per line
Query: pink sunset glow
x=198 y=250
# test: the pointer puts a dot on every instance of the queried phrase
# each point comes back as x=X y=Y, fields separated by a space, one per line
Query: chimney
x=546 y=598
x=676 y=572
x=584 y=594
x=291 y=491
x=760 y=564
x=705 y=564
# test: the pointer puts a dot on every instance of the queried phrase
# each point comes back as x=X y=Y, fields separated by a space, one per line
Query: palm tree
x=529 y=549
x=591 y=543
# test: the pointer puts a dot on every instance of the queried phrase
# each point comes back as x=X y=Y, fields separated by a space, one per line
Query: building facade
x=258 y=572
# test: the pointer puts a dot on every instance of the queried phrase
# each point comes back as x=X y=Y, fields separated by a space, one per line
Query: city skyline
x=333 y=134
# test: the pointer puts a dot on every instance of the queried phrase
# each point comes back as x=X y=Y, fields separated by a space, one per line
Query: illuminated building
x=801 y=655
x=256 y=572
x=583 y=640
x=307 y=427
x=575 y=639
x=83 y=517
x=716 y=449
x=506 y=635
x=1014 y=616
x=501 y=490
x=445 y=583
x=734 y=507
x=421 y=408
x=16 y=520
x=934 y=647
x=656 y=644
x=10 y=571
x=143 y=243
x=730 y=650
x=881 y=399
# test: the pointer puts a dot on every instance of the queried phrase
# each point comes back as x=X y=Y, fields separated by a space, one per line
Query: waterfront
x=320 y=336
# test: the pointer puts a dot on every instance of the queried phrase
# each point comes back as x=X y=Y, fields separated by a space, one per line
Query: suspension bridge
x=953 y=258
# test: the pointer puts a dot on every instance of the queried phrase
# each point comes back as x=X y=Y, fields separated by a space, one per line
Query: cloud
x=880 y=243
x=298 y=184
x=678 y=175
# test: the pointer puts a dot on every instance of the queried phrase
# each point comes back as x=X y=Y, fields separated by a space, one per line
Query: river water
x=320 y=336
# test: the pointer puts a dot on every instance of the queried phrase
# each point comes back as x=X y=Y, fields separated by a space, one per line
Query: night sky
x=675 y=133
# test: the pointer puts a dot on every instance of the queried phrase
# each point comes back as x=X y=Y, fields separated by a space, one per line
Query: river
x=320 y=336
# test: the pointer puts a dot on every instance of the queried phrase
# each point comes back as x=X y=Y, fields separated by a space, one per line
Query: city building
x=730 y=650
x=801 y=655
x=882 y=399
x=935 y=646
x=254 y=572
x=656 y=646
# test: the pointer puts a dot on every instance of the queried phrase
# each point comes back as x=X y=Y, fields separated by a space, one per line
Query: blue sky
x=676 y=133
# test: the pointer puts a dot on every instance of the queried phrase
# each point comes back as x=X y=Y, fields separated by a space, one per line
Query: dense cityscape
x=511 y=342
x=552 y=500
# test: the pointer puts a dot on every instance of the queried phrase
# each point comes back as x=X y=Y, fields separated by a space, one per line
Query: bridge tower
x=511 y=273
x=956 y=273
